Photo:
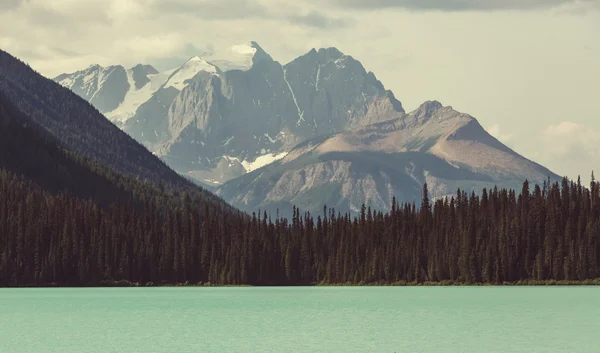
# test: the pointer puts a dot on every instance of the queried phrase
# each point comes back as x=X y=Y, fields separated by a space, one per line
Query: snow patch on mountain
x=90 y=78
x=258 y=163
x=136 y=97
x=300 y=112
x=67 y=82
x=317 y=78
x=237 y=57
x=229 y=139
x=188 y=71
x=262 y=161
x=272 y=140
x=230 y=160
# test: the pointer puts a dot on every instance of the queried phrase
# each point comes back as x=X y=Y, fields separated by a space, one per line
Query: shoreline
x=127 y=284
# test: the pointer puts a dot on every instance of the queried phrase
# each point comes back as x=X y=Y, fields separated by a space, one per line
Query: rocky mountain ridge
x=319 y=129
x=216 y=120
x=434 y=144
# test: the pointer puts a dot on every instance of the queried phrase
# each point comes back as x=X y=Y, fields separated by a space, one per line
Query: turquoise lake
x=303 y=319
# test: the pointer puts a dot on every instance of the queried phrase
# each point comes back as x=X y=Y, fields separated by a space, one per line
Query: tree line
x=547 y=232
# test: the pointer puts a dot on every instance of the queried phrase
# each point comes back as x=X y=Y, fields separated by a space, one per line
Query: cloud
x=64 y=51
x=495 y=131
x=575 y=147
x=67 y=15
x=461 y=5
x=10 y=4
x=245 y=9
x=210 y=9
x=43 y=51
x=318 y=20
x=569 y=139
x=168 y=58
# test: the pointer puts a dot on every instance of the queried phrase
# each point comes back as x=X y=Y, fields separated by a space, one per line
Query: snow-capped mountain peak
x=104 y=87
x=118 y=92
x=190 y=69
x=143 y=81
x=239 y=57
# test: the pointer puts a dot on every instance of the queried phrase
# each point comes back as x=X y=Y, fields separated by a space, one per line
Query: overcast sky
x=528 y=70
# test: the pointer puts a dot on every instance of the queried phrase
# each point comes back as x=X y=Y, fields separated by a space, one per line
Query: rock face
x=104 y=87
x=267 y=109
x=434 y=144
x=115 y=91
x=320 y=129
x=243 y=107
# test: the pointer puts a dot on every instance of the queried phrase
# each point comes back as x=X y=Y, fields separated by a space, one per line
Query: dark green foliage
x=48 y=238
x=62 y=214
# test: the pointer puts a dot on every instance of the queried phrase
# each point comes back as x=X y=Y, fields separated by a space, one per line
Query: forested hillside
x=30 y=151
x=79 y=126
x=55 y=186
x=549 y=234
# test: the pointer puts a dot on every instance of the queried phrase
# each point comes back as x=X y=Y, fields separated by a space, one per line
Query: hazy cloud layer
x=568 y=139
x=460 y=5
x=211 y=9
x=573 y=148
x=10 y=4
x=317 y=19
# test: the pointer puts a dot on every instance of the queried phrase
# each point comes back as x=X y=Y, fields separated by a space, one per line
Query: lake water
x=332 y=319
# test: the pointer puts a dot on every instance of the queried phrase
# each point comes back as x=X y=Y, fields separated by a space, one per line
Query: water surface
x=317 y=319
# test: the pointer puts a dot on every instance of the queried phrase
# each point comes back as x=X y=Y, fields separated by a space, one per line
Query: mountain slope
x=32 y=153
x=434 y=144
x=78 y=126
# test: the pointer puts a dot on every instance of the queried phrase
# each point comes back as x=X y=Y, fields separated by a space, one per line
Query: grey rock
x=140 y=74
x=434 y=144
x=246 y=109
x=150 y=123
x=111 y=93
x=270 y=108
x=341 y=138
x=107 y=88
x=104 y=88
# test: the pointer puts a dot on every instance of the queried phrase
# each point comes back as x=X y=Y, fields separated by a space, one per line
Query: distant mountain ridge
x=434 y=144
x=319 y=129
x=118 y=92
x=218 y=118
x=115 y=91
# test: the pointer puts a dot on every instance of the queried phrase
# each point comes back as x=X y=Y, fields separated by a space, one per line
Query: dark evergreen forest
x=551 y=233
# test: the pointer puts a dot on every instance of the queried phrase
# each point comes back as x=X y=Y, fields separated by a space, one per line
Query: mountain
x=222 y=115
x=115 y=91
x=30 y=152
x=320 y=128
x=434 y=144
x=81 y=130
